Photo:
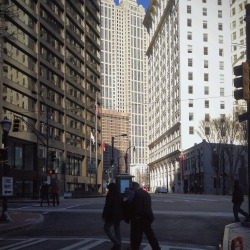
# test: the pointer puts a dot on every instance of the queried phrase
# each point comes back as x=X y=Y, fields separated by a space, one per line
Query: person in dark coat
x=44 y=193
x=237 y=199
x=55 y=193
x=141 y=219
x=112 y=215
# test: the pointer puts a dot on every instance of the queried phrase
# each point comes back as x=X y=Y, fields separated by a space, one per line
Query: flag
x=92 y=138
x=103 y=146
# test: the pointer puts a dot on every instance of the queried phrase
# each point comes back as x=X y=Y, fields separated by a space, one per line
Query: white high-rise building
x=189 y=79
x=124 y=72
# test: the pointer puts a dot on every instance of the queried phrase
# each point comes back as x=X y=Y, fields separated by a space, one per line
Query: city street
x=181 y=221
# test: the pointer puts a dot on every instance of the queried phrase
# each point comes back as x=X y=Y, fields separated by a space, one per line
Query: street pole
x=47 y=131
x=247 y=19
x=6 y=125
x=126 y=158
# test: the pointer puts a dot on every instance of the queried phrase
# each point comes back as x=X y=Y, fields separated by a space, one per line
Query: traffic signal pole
x=247 y=19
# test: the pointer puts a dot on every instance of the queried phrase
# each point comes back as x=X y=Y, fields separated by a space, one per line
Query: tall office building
x=124 y=71
x=50 y=85
x=189 y=79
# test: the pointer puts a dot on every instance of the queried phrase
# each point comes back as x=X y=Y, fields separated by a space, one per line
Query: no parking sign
x=7 y=186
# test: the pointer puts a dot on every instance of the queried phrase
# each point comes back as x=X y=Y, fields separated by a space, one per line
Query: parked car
x=161 y=190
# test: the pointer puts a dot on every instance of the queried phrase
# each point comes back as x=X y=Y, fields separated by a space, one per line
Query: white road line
x=76 y=244
x=23 y=244
x=99 y=242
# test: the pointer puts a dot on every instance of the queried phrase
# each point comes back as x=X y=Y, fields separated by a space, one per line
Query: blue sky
x=145 y=3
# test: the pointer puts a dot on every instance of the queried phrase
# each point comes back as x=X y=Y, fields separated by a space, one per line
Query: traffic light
x=3 y=154
x=52 y=156
x=51 y=171
x=242 y=81
x=16 y=125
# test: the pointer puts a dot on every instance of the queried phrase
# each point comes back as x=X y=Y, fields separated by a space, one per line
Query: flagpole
x=96 y=145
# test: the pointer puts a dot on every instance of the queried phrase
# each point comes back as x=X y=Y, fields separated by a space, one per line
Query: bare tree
x=227 y=139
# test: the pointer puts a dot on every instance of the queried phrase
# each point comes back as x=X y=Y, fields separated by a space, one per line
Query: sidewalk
x=20 y=219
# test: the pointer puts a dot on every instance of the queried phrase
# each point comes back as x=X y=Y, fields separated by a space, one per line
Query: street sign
x=7 y=186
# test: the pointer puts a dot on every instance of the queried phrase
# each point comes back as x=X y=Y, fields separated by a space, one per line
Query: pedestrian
x=142 y=218
x=237 y=199
x=173 y=188
x=44 y=194
x=112 y=215
x=55 y=193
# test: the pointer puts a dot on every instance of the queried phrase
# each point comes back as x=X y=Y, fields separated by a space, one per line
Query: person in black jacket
x=112 y=215
x=142 y=218
x=237 y=199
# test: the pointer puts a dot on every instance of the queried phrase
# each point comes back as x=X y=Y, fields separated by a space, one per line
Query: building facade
x=124 y=71
x=188 y=81
x=118 y=127
x=50 y=83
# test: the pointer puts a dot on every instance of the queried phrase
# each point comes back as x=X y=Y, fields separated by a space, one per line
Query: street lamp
x=5 y=125
x=126 y=157
x=47 y=131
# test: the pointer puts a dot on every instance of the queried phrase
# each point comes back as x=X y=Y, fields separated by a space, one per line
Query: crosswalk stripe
x=76 y=244
x=22 y=245
x=99 y=242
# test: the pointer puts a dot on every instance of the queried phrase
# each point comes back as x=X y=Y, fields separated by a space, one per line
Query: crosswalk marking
x=90 y=246
x=23 y=244
x=76 y=244
x=86 y=244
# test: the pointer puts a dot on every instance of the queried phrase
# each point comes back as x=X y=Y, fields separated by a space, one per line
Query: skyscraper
x=124 y=71
x=189 y=78
x=50 y=81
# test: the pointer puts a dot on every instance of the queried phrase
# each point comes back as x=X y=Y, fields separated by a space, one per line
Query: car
x=161 y=190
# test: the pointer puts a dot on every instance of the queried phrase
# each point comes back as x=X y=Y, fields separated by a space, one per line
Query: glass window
x=190 y=103
x=190 y=48
x=190 y=75
x=205 y=37
x=206 y=90
x=204 y=24
x=220 y=13
x=189 y=9
x=204 y=12
x=190 y=62
x=222 y=105
x=191 y=116
x=206 y=104
x=220 y=26
x=206 y=77
x=205 y=50
x=189 y=22
x=191 y=130
x=206 y=64
x=190 y=89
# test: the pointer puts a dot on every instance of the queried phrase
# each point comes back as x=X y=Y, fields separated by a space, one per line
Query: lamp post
x=126 y=157
x=5 y=125
x=47 y=132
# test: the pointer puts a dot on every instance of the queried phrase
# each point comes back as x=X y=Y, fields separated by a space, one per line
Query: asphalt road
x=197 y=220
